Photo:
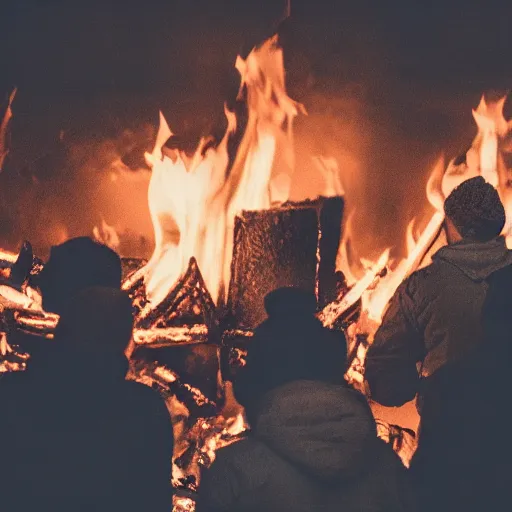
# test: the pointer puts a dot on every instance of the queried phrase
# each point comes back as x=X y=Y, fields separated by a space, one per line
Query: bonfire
x=226 y=234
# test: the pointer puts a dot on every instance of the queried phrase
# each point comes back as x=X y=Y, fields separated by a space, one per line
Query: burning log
x=188 y=303
x=190 y=391
x=36 y=322
x=330 y=314
x=159 y=338
x=330 y=215
x=272 y=248
x=131 y=265
x=169 y=383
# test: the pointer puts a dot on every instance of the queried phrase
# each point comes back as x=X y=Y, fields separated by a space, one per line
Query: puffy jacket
x=433 y=318
x=313 y=447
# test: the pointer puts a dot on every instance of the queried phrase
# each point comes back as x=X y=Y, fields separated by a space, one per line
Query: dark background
x=388 y=86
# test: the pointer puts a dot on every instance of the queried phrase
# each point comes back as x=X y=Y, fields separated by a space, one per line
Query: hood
x=324 y=429
x=477 y=260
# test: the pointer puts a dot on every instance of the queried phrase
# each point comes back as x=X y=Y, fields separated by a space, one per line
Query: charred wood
x=170 y=384
x=272 y=248
x=234 y=352
x=331 y=215
x=188 y=303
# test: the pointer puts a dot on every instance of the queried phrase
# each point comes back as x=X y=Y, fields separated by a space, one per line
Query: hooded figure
x=75 y=434
x=434 y=316
x=313 y=443
x=464 y=457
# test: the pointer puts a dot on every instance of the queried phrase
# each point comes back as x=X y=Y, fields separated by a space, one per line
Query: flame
x=485 y=151
x=376 y=299
x=333 y=310
x=107 y=235
x=7 y=258
x=4 y=125
x=193 y=202
x=343 y=259
x=331 y=172
x=483 y=158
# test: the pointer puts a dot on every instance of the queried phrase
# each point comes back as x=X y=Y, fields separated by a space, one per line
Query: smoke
x=348 y=66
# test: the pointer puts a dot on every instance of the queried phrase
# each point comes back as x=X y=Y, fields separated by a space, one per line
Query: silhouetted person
x=313 y=444
x=75 y=434
x=73 y=266
x=434 y=316
x=464 y=457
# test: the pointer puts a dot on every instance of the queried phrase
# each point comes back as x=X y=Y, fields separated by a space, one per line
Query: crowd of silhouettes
x=76 y=435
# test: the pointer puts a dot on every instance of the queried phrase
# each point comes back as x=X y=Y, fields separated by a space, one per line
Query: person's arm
x=391 y=370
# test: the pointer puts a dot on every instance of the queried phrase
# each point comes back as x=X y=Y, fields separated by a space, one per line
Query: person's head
x=291 y=345
x=97 y=321
x=497 y=308
x=474 y=211
x=75 y=265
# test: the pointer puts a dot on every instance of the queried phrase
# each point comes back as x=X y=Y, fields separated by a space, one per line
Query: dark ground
x=388 y=87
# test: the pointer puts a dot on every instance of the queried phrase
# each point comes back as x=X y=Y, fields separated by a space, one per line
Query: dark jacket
x=433 y=318
x=313 y=447
x=464 y=456
x=75 y=435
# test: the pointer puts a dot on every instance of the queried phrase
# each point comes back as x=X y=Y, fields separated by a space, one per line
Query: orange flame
x=4 y=125
x=193 y=203
x=107 y=235
x=483 y=158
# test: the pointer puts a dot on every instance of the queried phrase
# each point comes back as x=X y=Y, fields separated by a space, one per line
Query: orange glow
x=193 y=201
x=107 y=235
x=4 y=150
x=8 y=256
x=483 y=158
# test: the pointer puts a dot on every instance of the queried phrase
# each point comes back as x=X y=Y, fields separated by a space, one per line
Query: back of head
x=476 y=210
x=291 y=345
x=75 y=265
x=97 y=320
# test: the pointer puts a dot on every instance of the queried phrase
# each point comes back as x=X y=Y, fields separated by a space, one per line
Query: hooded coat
x=75 y=434
x=464 y=456
x=313 y=447
x=433 y=318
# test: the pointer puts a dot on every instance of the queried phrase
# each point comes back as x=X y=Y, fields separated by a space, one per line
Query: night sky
x=394 y=82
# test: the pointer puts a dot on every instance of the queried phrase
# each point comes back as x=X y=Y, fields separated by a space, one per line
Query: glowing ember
x=193 y=201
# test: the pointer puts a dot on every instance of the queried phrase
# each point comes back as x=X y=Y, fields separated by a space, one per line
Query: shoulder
x=243 y=454
x=418 y=278
x=437 y=272
x=423 y=284
x=238 y=469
